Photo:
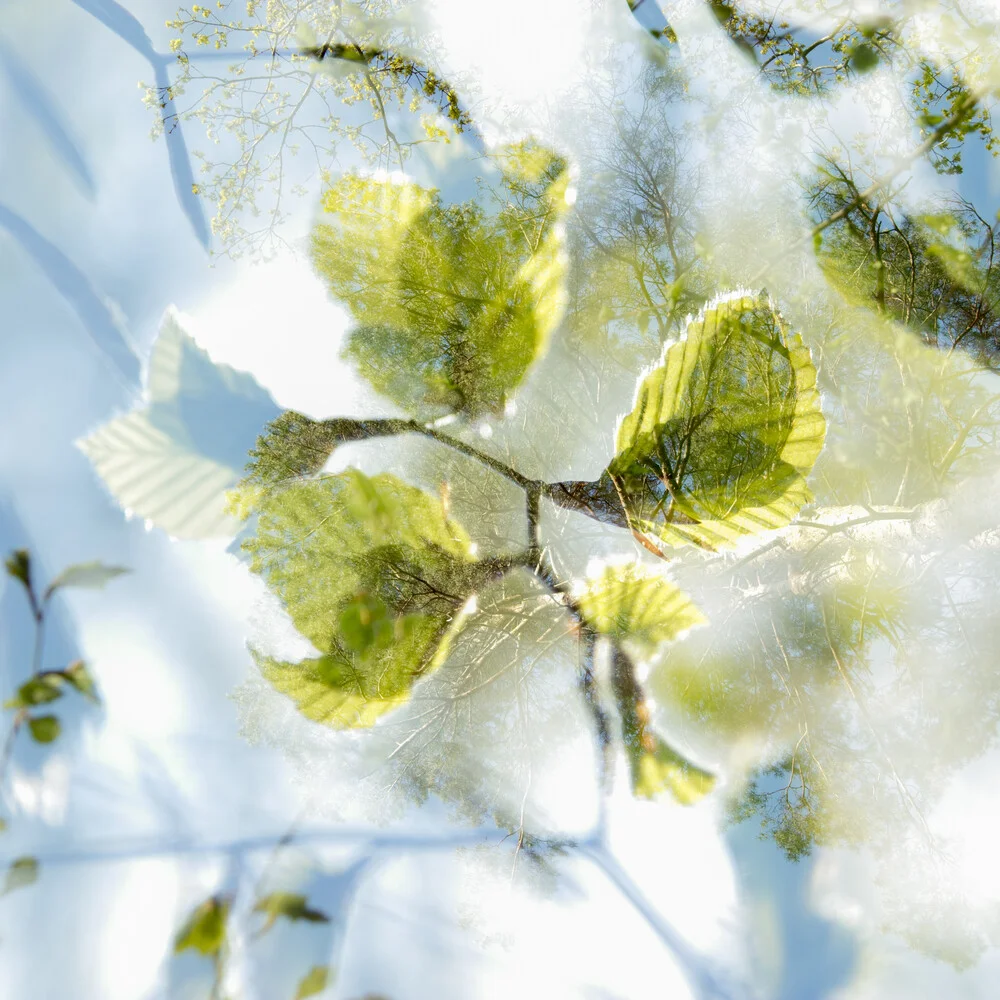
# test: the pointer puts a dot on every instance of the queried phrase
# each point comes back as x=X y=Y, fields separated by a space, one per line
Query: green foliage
x=205 y=929
x=935 y=273
x=39 y=690
x=451 y=304
x=313 y=982
x=22 y=872
x=375 y=575
x=786 y=814
x=289 y=447
x=48 y=685
x=43 y=687
x=942 y=94
x=44 y=728
x=18 y=565
x=655 y=766
x=80 y=678
x=319 y=78
x=637 y=606
x=723 y=433
x=795 y=63
x=864 y=57
x=404 y=72
x=92 y=574
x=289 y=905
x=658 y=768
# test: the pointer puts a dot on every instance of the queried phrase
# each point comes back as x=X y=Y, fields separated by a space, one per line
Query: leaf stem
x=508 y=472
x=8 y=746
x=533 y=501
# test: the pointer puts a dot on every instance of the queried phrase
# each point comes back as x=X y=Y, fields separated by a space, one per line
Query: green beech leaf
x=635 y=604
x=655 y=766
x=290 y=905
x=44 y=728
x=864 y=57
x=18 y=565
x=662 y=769
x=21 y=872
x=80 y=678
x=451 y=303
x=375 y=575
x=91 y=574
x=722 y=434
x=40 y=690
x=313 y=982
x=366 y=624
x=205 y=929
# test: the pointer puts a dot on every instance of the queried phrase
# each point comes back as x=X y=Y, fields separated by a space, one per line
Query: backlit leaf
x=313 y=982
x=80 y=677
x=44 y=728
x=290 y=905
x=375 y=575
x=723 y=432
x=663 y=769
x=92 y=574
x=205 y=930
x=18 y=565
x=173 y=461
x=654 y=765
x=22 y=872
x=38 y=690
x=452 y=304
x=632 y=603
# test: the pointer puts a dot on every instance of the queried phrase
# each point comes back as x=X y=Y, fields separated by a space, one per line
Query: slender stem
x=602 y=725
x=467 y=449
x=8 y=746
x=36 y=657
x=533 y=559
x=38 y=613
x=533 y=501
x=872 y=518
x=219 y=968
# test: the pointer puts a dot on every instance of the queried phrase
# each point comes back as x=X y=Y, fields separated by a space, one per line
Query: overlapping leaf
x=451 y=304
x=374 y=574
x=173 y=460
x=313 y=982
x=635 y=605
x=92 y=575
x=290 y=905
x=48 y=686
x=205 y=929
x=655 y=765
x=21 y=872
x=723 y=432
x=658 y=768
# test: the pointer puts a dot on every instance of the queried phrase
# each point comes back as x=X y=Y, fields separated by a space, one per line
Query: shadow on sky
x=47 y=116
x=817 y=955
x=127 y=28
